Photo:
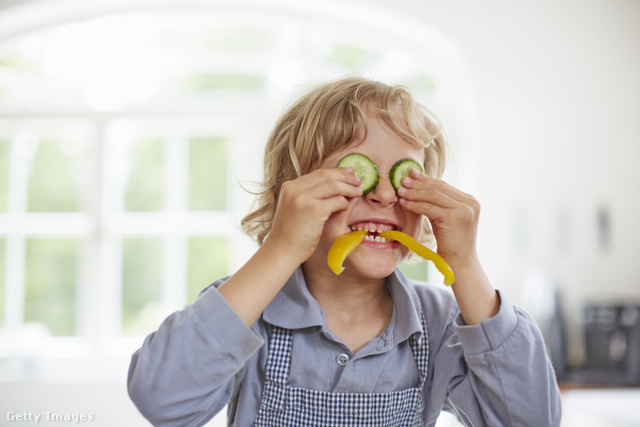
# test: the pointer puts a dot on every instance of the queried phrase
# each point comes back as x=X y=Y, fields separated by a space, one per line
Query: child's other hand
x=305 y=204
x=453 y=215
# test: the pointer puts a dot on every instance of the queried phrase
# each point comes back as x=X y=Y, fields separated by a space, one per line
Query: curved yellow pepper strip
x=342 y=247
x=414 y=246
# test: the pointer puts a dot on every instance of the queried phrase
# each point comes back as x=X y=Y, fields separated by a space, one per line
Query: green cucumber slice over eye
x=400 y=170
x=364 y=168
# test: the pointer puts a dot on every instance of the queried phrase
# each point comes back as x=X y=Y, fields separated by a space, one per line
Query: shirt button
x=342 y=359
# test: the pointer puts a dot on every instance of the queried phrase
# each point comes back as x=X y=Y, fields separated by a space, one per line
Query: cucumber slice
x=400 y=170
x=364 y=168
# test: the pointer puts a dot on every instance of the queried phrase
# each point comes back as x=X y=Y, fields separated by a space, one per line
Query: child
x=286 y=342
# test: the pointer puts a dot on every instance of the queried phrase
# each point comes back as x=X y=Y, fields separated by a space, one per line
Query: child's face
x=379 y=209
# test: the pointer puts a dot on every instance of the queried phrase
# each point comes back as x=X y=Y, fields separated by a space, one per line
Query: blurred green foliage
x=208 y=174
x=52 y=187
x=351 y=57
x=203 y=82
x=141 y=278
x=415 y=269
x=4 y=173
x=14 y=61
x=144 y=191
x=51 y=278
x=420 y=81
x=207 y=262
x=3 y=292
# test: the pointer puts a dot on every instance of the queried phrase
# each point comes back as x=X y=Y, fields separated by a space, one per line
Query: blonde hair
x=329 y=118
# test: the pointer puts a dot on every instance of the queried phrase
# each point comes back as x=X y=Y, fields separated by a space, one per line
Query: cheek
x=335 y=225
x=413 y=224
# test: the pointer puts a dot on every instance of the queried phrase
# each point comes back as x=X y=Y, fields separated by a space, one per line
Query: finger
x=328 y=189
x=421 y=180
x=433 y=212
x=420 y=187
x=306 y=182
x=310 y=180
x=428 y=195
x=335 y=204
x=466 y=206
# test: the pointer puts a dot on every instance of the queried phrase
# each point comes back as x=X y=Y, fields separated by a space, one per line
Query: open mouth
x=373 y=228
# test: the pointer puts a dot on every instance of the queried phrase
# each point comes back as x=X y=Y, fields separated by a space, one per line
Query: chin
x=379 y=274
x=374 y=270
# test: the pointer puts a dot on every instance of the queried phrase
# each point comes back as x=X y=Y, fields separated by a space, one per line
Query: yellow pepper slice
x=414 y=246
x=342 y=247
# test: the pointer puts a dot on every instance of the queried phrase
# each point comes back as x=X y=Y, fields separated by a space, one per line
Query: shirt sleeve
x=184 y=372
x=508 y=379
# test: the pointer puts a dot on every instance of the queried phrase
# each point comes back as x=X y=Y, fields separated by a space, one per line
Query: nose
x=384 y=194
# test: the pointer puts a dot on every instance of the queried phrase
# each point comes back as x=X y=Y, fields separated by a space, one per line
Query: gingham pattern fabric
x=284 y=406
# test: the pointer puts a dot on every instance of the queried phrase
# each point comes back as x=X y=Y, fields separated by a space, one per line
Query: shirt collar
x=406 y=307
x=295 y=308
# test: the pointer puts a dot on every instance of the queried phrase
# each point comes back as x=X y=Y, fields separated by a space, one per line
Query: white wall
x=557 y=101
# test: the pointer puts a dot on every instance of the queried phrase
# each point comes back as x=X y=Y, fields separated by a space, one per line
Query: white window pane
x=3 y=246
x=207 y=261
x=144 y=187
x=50 y=284
x=4 y=172
x=208 y=164
x=141 y=284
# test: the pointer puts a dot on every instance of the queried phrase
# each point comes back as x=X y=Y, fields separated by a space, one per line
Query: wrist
x=469 y=265
x=474 y=293
x=281 y=253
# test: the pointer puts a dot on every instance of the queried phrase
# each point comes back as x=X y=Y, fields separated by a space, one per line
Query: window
x=109 y=223
x=123 y=155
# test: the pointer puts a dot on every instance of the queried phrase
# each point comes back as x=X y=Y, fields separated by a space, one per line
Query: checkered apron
x=283 y=405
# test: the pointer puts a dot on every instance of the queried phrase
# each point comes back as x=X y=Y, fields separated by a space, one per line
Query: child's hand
x=306 y=203
x=453 y=215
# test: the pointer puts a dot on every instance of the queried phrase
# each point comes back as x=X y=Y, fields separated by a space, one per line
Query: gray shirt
x=495 y=373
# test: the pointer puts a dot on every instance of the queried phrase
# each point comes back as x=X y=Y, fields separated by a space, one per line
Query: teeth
x=376 y=239
x=371 y=227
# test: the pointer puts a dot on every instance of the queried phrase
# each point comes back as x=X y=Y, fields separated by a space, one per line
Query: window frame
x=105 y=224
